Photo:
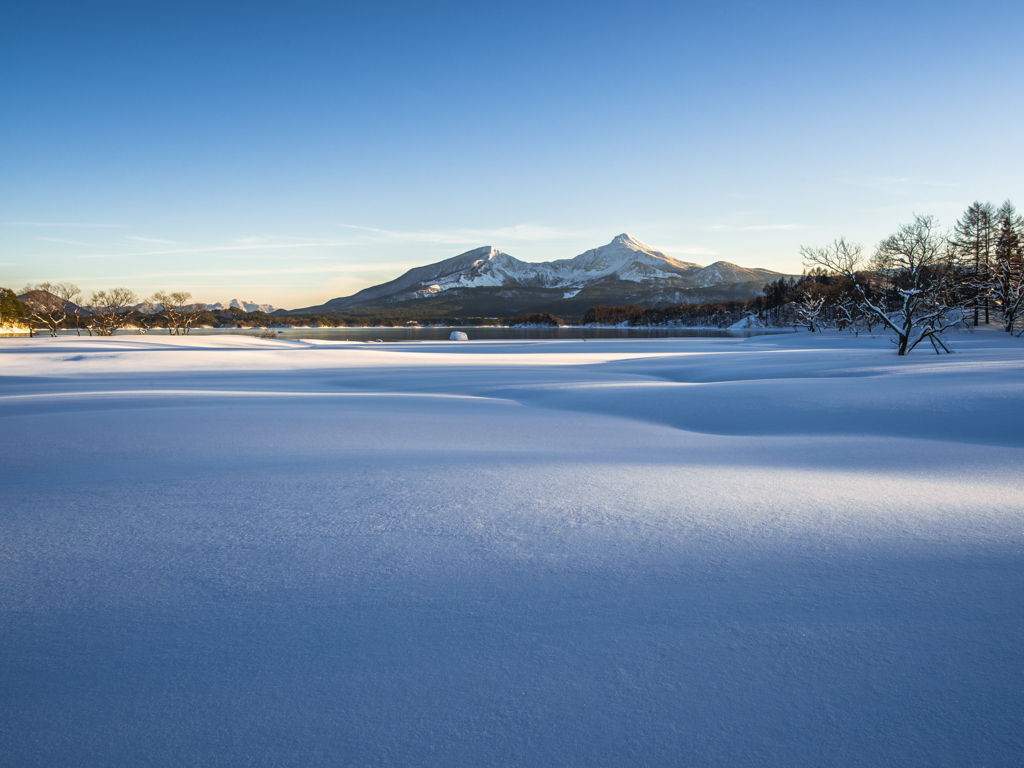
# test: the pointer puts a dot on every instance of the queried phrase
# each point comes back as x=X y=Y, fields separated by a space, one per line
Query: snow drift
x=784 y=550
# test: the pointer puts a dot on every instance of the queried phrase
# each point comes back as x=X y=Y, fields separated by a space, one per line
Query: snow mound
x=747 y=323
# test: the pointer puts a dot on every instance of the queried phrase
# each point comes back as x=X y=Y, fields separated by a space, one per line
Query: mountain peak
x=245 y=306
x=486 y=271
x=630 y=242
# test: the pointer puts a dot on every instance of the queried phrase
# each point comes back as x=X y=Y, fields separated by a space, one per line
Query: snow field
x=791 y=550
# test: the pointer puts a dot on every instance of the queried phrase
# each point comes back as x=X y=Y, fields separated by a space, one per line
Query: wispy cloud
x=385 y=267
x=690 y=250
x=753 y=227
x=149 y=240
x=58 y=224
x=245 y=246
x=897 y=184
x=519 y=233
x=59 y=240
x=380 y=266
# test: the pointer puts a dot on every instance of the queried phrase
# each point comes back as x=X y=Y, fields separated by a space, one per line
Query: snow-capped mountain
x=625 y=266
x=246 y=306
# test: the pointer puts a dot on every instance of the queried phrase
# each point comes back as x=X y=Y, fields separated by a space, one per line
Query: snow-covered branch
x=910 y=286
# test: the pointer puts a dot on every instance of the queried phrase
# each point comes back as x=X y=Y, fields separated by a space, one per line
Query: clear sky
x=293 y=152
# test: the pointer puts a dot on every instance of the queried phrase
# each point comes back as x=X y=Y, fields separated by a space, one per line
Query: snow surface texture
x=785 y=550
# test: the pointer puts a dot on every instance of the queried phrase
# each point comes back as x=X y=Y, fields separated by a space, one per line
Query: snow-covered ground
x=782 y=550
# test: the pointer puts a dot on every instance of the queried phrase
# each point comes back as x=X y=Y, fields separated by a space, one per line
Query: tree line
x=720 y=314
x=918 y=283
x=50 y=307
x=921 y=282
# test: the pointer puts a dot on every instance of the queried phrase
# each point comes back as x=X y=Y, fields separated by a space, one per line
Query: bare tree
x=848 y=315
x=49 y=304
x=179 y=310
x=911 y=284
x=809 y=307
x=146 y=316
x=110 y=310
x=192 y=315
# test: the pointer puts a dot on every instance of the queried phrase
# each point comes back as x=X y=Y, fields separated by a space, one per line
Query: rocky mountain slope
x=491 y=282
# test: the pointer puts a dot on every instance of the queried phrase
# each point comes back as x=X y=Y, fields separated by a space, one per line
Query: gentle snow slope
x=788 y=550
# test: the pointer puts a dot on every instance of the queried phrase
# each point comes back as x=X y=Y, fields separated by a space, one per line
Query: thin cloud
x=59 y=240
x=377 y=267
x=518 y=233
x=339 y=269
x=218 y=249
x=900 y=184
x=690 y=250
x=58 y=224
x=754 y=227
x=149 y=239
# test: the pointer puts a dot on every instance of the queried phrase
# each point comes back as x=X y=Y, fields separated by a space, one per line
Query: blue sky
x=294 y=152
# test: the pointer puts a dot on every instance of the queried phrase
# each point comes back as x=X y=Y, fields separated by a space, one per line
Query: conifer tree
x=974 y=238
x=12 y=311
x=1007 y=283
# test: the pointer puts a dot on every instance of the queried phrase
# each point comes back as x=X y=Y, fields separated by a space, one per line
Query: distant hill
x=45 y=297
x=487 y=282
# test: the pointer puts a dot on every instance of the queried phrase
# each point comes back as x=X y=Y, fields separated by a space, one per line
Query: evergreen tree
x=974 y=238
x=12 y=311
x=1007 y=216
x=1007 y=284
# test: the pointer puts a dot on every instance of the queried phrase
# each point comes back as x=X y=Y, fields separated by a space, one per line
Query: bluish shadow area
x=718 y=387
x=886 y=660
x=418 y=580
x=928 y=408
x=172 y=433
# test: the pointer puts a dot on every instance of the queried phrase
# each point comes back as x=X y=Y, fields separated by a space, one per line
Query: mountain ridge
x=245 y=306
x=625 y=267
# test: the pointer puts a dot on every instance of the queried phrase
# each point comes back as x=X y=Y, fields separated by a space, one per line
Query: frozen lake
x=475 y=333
x=780 y=550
